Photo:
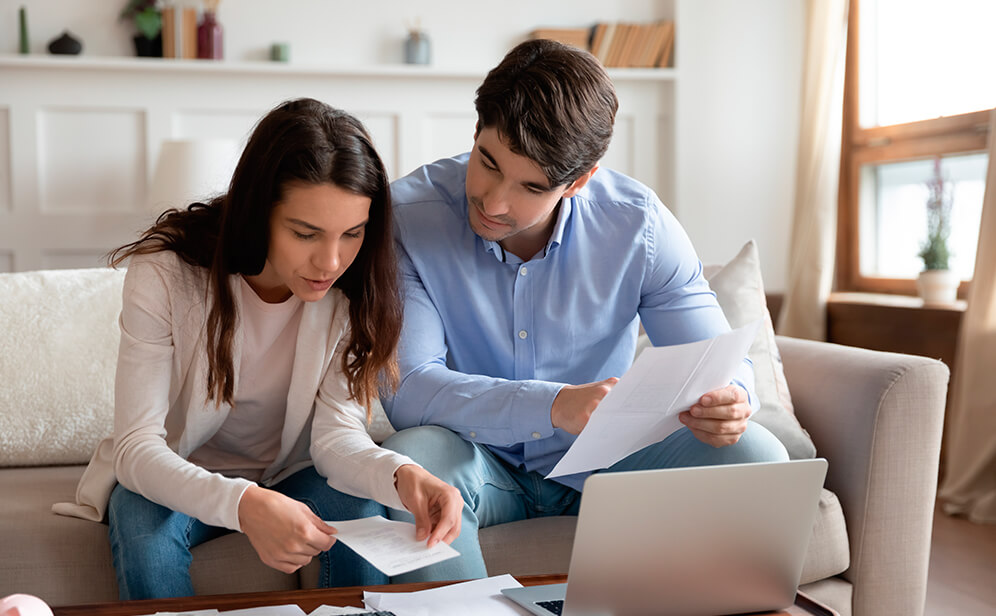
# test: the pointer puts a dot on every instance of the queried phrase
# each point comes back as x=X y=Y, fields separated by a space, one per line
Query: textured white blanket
x=58 y=352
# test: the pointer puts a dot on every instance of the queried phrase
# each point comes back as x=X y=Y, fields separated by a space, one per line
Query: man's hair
x=551 y=103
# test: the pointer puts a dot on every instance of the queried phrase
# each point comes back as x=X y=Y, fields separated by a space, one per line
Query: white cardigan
x=161 y=412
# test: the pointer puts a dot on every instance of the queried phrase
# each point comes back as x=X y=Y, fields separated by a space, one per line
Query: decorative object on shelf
x=937 y=284
x=180 y=32
x=148 y=21
x=280 y=52
x=418 y=50
x=66 y=45
x=209 y=33
x=23 y=45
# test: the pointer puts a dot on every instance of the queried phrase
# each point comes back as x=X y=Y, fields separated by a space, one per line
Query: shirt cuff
x=533 y=403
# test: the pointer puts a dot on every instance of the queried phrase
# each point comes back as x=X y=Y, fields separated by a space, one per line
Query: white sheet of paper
x=210 y=612
x=477 y=597
x=267 y=610
x=390 y=545
x=332 y=610
x=642 y=409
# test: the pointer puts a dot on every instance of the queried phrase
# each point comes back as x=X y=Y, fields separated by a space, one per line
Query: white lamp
x=190 y=170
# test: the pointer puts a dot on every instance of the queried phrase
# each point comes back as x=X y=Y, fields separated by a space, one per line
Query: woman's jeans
x=495 y=492
x=151 y=544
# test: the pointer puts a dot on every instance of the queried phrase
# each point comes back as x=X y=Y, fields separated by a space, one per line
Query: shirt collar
x=556 y=236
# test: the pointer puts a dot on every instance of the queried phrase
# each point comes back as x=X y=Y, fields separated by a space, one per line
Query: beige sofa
x=875 y=416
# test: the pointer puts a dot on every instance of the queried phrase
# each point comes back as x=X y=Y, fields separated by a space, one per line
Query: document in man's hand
x=642 y=409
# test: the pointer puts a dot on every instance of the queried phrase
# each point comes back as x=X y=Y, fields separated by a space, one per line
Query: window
x=916 y=99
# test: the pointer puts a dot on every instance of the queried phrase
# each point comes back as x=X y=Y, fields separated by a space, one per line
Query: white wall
x=738 y=85
x=738 y=109
x=465 y=34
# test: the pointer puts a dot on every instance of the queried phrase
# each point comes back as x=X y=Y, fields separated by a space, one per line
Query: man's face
x=509 y=197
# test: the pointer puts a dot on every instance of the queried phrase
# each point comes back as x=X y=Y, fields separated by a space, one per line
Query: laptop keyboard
x=554 y=607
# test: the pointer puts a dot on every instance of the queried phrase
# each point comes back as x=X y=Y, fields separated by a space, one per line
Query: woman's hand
x=284 y=532
x=435 y=504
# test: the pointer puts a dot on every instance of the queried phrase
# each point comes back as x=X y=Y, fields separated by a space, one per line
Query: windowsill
x=897 y=323
x=888 y=300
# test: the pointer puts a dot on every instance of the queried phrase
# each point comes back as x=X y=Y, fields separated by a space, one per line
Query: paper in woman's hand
x=390 y=545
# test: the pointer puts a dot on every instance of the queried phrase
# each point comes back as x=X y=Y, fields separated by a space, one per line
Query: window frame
x=958 y=134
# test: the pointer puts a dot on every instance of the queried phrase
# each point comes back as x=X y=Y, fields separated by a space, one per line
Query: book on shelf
x=602 y=51
x=576 y=37
x=666 y=47
x=619 y=44
x=633 y=45
x=179 y=32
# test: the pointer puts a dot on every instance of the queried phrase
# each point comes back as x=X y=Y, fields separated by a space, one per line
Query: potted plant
x=937 y=284
x=148 y=20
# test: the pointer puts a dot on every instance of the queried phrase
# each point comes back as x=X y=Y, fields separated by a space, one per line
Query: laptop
x=692 y=541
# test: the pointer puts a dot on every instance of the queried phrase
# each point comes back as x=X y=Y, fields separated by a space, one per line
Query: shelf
x=124 y=64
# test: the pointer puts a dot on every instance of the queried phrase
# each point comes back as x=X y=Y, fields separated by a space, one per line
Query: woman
x=255 y=330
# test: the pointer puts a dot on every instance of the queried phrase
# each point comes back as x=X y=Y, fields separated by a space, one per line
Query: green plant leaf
x=149 y=22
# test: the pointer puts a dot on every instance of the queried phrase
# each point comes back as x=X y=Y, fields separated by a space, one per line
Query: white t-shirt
x=249 y=440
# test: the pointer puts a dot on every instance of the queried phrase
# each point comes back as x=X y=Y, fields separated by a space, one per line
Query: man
x=527 y=270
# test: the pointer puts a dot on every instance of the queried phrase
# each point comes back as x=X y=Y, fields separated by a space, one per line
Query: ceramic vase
x=66 y=45
x=938 y=286
x=417 y=48
x=209 y=38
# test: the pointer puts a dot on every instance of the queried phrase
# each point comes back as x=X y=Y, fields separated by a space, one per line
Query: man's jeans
x=495 y=492
x=151 y=544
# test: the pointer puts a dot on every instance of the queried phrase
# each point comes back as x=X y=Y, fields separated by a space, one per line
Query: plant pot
x=148 y=48
x=938 y=286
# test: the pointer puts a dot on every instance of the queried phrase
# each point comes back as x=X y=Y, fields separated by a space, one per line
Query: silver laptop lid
x=703 y=540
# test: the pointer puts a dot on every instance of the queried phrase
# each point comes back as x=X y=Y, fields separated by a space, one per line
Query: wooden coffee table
x=307 y=600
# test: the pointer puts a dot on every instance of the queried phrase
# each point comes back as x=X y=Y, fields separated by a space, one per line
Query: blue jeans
x=495 y=492
x=151 y=544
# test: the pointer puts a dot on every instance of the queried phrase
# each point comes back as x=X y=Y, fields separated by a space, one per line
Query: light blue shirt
x=489 y=340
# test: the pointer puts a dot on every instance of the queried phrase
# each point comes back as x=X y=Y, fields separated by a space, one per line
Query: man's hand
x=436 y=505
x=284 y=532
x=574 y=404
x=720 y=416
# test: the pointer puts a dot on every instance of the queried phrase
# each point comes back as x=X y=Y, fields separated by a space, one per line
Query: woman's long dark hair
x=300 y=141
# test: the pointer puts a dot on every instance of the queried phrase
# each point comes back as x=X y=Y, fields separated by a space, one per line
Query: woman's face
x=315 y=233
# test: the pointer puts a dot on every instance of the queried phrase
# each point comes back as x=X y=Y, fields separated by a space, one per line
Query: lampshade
x=191 y=170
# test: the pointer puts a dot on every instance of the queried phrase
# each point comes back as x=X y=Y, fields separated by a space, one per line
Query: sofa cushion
x=66 y=560
x=57 y=363
x=740 y=292
x=543 y=545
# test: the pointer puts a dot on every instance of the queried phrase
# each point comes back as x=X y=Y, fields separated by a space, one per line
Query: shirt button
x=537 y=435
x=523 y=334
x=473 y=435
x=523 y=271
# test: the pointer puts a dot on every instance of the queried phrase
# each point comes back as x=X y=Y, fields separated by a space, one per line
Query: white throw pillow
x=58 y=355
x=740 y=292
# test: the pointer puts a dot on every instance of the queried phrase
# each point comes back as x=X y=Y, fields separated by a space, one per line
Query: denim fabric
x=495 y=492
x=151 y=544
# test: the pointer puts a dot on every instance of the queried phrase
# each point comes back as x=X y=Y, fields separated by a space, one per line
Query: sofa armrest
x=877 y=418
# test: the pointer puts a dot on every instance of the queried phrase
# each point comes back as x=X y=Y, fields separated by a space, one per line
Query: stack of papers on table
x=477 y=597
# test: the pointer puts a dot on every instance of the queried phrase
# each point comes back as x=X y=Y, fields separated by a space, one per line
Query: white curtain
x=969 y=486
x=811 y=253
